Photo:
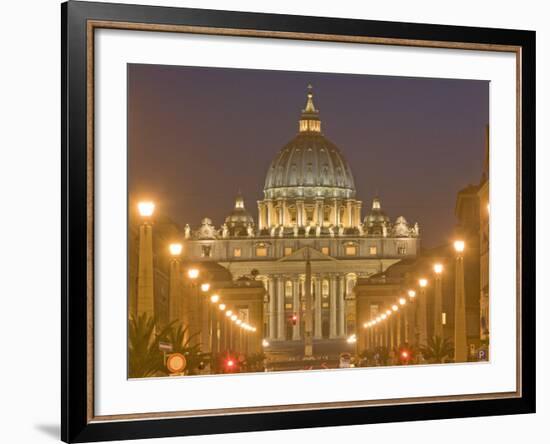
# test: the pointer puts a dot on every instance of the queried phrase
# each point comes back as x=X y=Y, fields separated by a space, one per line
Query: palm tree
x=144 y=357
x=438 y=350
x=175 y=335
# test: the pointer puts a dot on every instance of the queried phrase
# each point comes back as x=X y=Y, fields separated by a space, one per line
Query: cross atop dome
x=309 y=121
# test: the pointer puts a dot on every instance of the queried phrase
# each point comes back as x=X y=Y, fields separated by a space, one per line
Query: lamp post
x=410 y=324
x=205 y=317
x=402 y=302
x=422 y=311
x=461 y=347
x=174 y=296
x=194 y=306
x=221 y=321
x=145 y=290
x=214 y=299
x=438 y=301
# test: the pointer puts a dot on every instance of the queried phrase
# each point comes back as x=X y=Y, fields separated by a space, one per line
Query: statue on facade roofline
x=401 y=227
x=295 y=229
x=331 y=230
x=341 y=230
x=281 y=231
x=415 y=230
x=225 y=231
x=318 y=230
x=187 y=231
x=308 y=229
x=250 y=230
x=361 y=230
x=384 y=230
x=272 y=231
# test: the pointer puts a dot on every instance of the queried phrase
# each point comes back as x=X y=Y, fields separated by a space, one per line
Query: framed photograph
x=277 y=221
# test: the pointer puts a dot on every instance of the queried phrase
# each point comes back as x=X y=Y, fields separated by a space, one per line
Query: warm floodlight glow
x=221 y=307
x=422 y=282
x=265 y=343
x=146 y=209
x=412 y=294
x=438 y=268
x=205 y=287
x=238 y=321
x=388 y=312
x=402 y=301
x=234 y=318
x=352 y=339
x=384 y=316
x=214 y=298
x=459 y=246
x=394 y=307
x=175 y=249
x=366 y=325
x=193 y=273
x=228 y=313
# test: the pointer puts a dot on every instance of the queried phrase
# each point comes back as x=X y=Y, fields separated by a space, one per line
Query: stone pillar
x=145 y=294
x=398 y=341
x=342 y=307
x=422 y=317
x=349 y=221
x=270 y=216
x=300 y=213
x=284 y=220
x=318 y=212
x=281 y=331
x=391 y=326
x=357 y=213
x=174 y=298
x=461 y=346
x=271 y=319
x=318 y=332
x=333 y=311
x=296 y=307
x=438 y=306
x=336 y=211
x=261 y=215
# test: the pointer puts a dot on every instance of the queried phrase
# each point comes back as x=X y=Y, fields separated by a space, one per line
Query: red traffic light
x=405 y=355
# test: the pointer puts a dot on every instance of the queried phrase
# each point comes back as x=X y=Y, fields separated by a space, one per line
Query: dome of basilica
x=310 y=164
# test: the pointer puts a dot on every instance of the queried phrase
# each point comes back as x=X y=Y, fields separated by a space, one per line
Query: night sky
x=199 y=135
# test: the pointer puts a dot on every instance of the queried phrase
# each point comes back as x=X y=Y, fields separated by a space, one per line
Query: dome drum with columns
x=309 y=205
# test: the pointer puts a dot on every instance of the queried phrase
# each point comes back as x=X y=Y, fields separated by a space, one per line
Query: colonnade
x=287 y=304
x=277 y=212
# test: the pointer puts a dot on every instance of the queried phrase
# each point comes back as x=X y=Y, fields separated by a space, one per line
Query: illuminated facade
x=309 y=205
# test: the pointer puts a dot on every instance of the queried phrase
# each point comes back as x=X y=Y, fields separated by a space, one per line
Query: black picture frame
x=76 y=424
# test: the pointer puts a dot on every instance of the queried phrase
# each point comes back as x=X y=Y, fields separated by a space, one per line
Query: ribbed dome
x=310 y=161
x=376 y=217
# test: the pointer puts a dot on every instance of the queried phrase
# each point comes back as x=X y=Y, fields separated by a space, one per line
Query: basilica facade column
x=357 y=213
x=300 y=213
x=270 y=214
x=281 y=331
x=271 y=319
x=296 y=307
x=261 y=215
x=342 y=306
x=349 y=213
x=317 y=332
x=333 y=333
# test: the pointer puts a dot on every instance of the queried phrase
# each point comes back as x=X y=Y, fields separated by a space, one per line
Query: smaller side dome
x=376 y=221
x=239 y=219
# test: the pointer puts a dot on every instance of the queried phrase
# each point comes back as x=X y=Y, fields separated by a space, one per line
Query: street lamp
x=221 y=307
x=146 y=209
x=145 y=296
x=461 y=351
x=402 y=301
x=412 y=294
x=394 y=307
x=422 y=313
x=205 y=287
x=193 y=273
x=438 y=301
x=214 y=298
x=175 y=249
x=174 y=298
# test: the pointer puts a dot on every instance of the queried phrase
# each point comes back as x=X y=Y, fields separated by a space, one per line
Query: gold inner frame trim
x=92 y=25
